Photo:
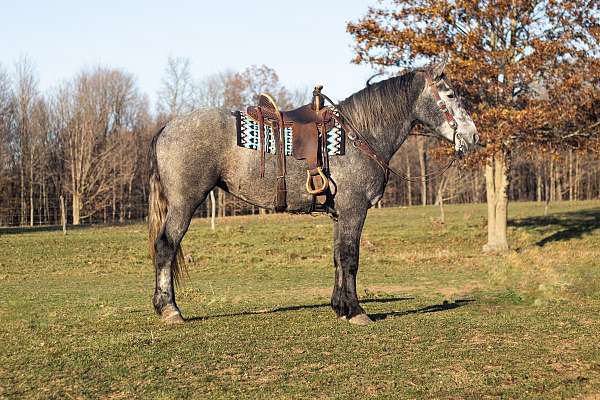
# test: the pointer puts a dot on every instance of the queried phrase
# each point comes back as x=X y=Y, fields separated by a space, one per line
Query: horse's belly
x=242 y=179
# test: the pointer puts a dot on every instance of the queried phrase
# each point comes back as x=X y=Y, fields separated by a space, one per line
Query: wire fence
x=17 y=213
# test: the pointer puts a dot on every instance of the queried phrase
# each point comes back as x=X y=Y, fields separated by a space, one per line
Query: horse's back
x=203 y=130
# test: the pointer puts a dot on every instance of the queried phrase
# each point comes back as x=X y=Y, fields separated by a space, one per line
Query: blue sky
x=305 y=42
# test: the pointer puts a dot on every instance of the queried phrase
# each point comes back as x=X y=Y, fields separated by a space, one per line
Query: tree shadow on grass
x=294 y=308
x=570 y=225
x=429 y=309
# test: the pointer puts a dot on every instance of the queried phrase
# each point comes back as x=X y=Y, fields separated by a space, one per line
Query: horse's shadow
x=571 y=225
x=444 y=306
x=375 y=317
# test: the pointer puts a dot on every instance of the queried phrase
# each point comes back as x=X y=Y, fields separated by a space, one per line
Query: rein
x=360 y=143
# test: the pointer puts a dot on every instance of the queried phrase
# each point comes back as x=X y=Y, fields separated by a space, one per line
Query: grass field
x=77 y=320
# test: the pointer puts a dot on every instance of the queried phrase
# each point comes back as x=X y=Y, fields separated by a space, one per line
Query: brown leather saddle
x=309 y=125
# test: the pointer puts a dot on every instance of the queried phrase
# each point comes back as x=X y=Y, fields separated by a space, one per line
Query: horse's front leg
x=344 y=300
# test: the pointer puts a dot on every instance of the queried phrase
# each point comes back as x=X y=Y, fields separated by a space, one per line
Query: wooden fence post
x=213 y=210
x=63 y=214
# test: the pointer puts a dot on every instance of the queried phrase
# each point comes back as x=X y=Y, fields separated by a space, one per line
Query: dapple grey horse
x=197 y=152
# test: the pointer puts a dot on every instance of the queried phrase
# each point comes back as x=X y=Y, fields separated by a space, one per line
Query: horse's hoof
x=171 y=315
x=173 y=319
x=360 y=319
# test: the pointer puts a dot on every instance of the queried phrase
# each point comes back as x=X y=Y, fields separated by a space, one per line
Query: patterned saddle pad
x=248 y=136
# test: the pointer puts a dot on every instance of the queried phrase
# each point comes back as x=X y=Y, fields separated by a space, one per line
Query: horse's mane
x=385 y=103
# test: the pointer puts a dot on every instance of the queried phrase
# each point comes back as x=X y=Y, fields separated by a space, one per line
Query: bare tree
x=261 y=79
x=422 y=151
x=38 y=160
x=90 y=112
x=210 y=91
x=300 y=96
x=5 y=151
x=129 y=146
x=235 y=90
x=26 y=136
x=176 y=94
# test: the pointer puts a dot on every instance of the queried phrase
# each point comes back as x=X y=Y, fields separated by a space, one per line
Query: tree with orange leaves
x=518 y=65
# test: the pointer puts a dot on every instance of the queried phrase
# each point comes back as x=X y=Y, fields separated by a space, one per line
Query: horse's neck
x=387 y=138
x=382 y=122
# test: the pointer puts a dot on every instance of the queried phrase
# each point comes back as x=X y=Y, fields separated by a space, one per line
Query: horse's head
x=440 y=109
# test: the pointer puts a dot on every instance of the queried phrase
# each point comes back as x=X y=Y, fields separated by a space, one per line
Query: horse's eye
x=450 y=95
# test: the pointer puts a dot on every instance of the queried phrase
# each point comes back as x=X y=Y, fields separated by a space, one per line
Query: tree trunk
x=40 y=208
x=558 y=180
x=76 y=208
x=475 y=196
x=23 y=213
x=121 y=206
x=55 y=214
x=423 y=166
x=221 y=195
x=552 y=181
x=497 y=183
x=30 y=185
x=46 y=206
x=440 y=199
x=129 y=205
x=30 y=200
x=577 y=177
x=408 y=182
x=538 y=182
x=589 y=181
x=114 y=201
x=571 y=191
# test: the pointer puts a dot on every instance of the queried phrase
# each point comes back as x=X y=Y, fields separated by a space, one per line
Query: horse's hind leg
x=166 y=263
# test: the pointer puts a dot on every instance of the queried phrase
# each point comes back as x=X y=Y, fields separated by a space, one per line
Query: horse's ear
x=437 y=69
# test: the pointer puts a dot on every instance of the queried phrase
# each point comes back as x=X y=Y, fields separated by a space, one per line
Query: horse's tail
x=157 y=213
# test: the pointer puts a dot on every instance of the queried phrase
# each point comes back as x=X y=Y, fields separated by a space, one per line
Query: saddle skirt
x=311 y=133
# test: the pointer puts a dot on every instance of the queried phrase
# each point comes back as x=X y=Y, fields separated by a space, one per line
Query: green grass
x=77 y=320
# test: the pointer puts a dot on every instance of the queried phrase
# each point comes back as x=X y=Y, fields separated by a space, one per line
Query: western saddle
x=309 y=124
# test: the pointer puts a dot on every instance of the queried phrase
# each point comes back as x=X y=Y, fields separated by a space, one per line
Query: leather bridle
x=441 y=103
x=460 y=146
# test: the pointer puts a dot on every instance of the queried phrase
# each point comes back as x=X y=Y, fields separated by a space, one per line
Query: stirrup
x=309 y=187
